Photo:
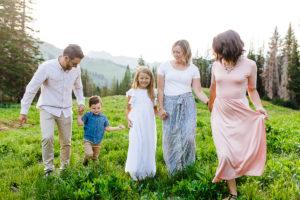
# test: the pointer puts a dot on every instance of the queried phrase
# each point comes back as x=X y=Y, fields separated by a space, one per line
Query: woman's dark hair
x=94 y=100
x=73 y=51
x=228 y=45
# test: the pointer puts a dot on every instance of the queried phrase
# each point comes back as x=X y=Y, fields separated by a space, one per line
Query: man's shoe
x=48 y=173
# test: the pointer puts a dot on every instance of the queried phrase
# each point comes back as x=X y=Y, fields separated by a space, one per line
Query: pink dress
x=238 y=132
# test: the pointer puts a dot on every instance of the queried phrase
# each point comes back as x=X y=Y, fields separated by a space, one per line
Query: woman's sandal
x=232 y=197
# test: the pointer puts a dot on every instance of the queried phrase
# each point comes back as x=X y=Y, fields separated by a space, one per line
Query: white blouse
x=177 y=81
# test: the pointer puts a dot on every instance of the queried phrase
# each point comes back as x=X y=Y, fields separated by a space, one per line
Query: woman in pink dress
x=238 y=132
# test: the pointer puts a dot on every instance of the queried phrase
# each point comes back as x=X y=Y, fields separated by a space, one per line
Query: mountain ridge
x=102 y=71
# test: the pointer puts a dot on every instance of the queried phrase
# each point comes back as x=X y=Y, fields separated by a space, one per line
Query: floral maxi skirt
x=179 y=131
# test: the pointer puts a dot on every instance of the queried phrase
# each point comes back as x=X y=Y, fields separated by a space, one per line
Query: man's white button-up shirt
x=56 y=89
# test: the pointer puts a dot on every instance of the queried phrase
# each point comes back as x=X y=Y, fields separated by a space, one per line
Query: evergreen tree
x=115 y=87
x=141 y=61
x=287 y=61
x=294 y=73
x=259 y=60
x=204 y=66
x=89 y=87
x=98 y=90
x=84 y=81
x=125 y=84
x=251 y=54
x=19 y=53
x=104 y=91
x=272 y=69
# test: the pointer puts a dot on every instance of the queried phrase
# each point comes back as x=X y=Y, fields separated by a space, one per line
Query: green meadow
x=21 y=168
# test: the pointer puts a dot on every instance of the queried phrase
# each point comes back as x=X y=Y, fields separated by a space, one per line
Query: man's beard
x=69 y=67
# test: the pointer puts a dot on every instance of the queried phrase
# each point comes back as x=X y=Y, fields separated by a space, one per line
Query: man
x=56 y=78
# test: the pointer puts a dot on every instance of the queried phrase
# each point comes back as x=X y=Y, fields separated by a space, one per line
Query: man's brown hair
x=73 y=51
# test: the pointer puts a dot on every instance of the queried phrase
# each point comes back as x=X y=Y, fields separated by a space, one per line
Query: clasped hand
x=162 y=114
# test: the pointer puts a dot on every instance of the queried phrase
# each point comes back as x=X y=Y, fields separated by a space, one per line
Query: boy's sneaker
x=48 y=173
x=85 y=162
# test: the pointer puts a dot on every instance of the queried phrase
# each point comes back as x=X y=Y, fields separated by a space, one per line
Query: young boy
x=95 y=123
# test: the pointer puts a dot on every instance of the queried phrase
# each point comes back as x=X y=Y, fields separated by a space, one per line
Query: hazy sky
x=150 y=27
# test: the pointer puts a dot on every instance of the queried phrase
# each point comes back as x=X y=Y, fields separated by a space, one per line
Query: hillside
x=121 y=60
x=21 y=169
x=49 y=51
x=108 y=69
x=104 y=70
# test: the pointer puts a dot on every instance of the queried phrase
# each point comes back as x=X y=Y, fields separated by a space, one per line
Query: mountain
x=108 y=69
x=121 y=60
x=49 y=51
x=102 y=71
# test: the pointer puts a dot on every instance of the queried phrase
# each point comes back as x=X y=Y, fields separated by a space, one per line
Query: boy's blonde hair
x=185 y=46
x=150 y=87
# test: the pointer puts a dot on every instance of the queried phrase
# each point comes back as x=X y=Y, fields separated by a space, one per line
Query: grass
x=21 y=168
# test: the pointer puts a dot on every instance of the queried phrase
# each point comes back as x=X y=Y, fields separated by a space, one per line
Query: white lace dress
x=142 y=136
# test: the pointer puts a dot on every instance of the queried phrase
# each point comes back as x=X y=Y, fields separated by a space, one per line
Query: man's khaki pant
x=64 y=125
x=91 y=150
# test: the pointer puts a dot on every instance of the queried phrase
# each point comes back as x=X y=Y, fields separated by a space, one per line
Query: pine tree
x=98 y=91
x=104 y=91
x=259 y=60
x=287 y=61
x=125 y=84
x=204 y=66
x=89 y=87
x=294 y=73
x=115 y=87
x=141 y=61
x=19 y=53
x=272 y=69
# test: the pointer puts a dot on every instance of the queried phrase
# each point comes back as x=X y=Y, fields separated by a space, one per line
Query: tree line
x=281 y=74
x=19 y=52
x=120 y=88
x=278 y=71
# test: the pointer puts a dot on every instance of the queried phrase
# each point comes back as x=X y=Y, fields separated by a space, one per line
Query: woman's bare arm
x=160 y=96
x=255 y=99
x=196 y=85
x=212 y=96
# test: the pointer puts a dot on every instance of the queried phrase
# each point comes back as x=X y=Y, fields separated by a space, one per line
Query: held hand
x=129 y=124
x=23 y=119
x=80 y=109
x=121 y=127
x=262 y=111
x=162 y=114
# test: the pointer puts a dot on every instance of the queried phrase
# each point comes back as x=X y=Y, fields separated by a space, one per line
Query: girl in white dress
x=140 y=115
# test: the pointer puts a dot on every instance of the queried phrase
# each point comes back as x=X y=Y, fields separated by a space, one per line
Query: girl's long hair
x=150 y=87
